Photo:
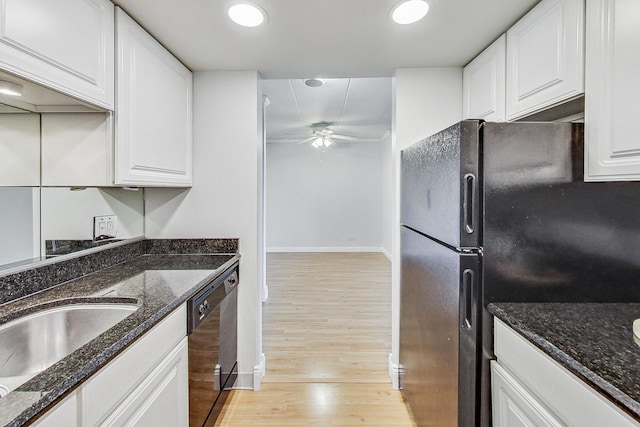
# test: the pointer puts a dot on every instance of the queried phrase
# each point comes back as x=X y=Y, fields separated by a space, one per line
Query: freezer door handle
x=467 y=295
x=468 y=202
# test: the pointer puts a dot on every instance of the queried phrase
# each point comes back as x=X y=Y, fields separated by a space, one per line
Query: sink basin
x=32 y=343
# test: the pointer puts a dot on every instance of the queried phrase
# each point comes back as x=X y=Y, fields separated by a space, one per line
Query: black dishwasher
x=212 y=330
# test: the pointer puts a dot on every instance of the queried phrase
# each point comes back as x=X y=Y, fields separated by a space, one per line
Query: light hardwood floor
x=326 y=335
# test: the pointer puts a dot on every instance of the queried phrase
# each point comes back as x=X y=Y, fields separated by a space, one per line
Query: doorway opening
x=328 y=207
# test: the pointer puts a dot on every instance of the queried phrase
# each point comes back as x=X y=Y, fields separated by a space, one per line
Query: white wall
x=426 y=100
x=68 y=215
x=325 y=199
x=19 y=149
x=19 y=224
x=225 y=197
x=388 y=180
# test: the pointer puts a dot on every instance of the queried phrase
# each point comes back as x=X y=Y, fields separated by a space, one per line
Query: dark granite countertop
x=157 y=283
x=592 y=340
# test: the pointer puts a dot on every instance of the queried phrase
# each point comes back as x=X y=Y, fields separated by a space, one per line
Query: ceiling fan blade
x=345 y=137
x=306 y=140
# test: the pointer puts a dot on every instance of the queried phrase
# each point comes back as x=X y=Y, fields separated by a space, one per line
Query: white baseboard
x=326 y=249
x=394 y=373
x=386 y=253
x=259 y=371
x=252 y=380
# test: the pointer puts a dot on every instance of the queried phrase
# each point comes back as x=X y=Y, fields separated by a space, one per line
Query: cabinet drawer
x=112 y=384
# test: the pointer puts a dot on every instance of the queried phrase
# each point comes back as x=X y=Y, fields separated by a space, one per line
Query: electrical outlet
x=105 y=227
x=351 y=238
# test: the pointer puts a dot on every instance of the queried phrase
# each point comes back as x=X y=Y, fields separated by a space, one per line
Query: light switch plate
x=105 y=227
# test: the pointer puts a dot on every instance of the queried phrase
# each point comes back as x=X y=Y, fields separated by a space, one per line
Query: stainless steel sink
x=32 y=343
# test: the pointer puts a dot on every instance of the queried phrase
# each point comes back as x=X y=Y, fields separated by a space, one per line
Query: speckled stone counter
x=157 y=283
x=593 y=341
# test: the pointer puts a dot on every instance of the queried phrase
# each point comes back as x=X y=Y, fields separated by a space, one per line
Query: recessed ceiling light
x=409 y=11
x=246 y=14
x=314 y=82
x=9 y=88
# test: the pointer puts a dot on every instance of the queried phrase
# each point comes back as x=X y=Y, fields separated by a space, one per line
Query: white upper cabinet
x=483 y=84
x=545 y=61
x=154 y=129
x=612 y=130
x=66 y=45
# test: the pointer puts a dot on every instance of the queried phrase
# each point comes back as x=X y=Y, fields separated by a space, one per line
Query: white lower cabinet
x=162 y=399
x=513 y=405
x=64 y=414
x=531 y=389
x=150 y=372
x=146 y=385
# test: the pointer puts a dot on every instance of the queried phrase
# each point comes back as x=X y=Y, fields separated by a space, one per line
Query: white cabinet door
x=612 y=129
x=154 y=142
x=483 y=84
x=106 y=391
x=163 y=397
x=77 y=149
x=545 y=60
x=513 y=406
x=66 y=45
x=64 y=414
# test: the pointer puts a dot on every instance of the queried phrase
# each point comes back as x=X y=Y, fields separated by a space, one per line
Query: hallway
x=327 y=337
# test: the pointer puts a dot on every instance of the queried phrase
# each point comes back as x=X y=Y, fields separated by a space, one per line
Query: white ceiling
x=339 y=40
x=325 y=38
x=352 y=107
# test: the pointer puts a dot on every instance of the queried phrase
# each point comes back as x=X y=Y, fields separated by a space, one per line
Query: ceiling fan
x=322 y=136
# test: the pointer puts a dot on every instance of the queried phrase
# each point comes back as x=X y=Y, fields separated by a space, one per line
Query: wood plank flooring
x=326 y=335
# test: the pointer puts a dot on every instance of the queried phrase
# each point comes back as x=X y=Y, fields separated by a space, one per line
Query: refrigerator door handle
x=467 y=299
x=469 y=202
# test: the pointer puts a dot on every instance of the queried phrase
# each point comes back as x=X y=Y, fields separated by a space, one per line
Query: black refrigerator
x=499 y=212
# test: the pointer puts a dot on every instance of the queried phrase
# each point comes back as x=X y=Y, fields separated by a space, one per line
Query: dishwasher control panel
x=203 y=303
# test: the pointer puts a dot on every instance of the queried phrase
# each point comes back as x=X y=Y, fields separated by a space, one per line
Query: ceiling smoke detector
x=314 y=82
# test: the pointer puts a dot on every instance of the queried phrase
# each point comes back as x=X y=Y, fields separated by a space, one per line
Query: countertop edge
x=599 y=384
x=93 y=365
